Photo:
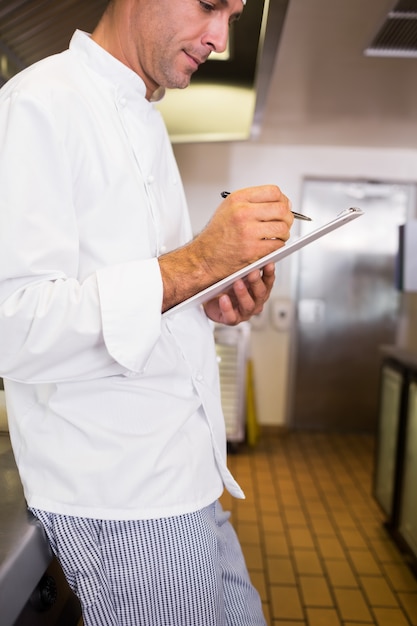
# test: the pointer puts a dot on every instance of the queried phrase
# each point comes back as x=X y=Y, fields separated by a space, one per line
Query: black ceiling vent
x=397 y=36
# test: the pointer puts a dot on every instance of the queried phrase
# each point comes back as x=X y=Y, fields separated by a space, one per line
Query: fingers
x=258 y=286
x=265 y=210
x=252 y=293
x=246 y=298
x=261 y=193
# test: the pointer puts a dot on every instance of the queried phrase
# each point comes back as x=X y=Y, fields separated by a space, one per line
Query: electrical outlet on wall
x=281 y=314
x=260 y=321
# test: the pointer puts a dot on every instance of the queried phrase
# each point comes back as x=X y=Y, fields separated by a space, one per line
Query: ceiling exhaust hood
x=226 y=97
x=397 y=36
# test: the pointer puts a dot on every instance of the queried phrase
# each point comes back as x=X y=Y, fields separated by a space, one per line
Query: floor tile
x=249 y=532
x=409 y=603
x=280 y=571
x=248 y=514
x=253 y=557
x=351 y=538
x=358 y=623
x=321 y=525
x=364 y=562
x=401 y=577
x=343 y=519
x=330 y=548
x=340 y=573
x=390 y=617
x=323 y=617
x=272 y=522
x=295 y=516
x=301 y=538
x=317 y=508
x=276 y=544
x=378 y=592
x=352 y=605
x=315 y=591
x=307 y=561
x=286 y=603
x=386 y=550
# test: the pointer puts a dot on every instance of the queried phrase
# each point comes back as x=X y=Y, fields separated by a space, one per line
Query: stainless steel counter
x=25 y=555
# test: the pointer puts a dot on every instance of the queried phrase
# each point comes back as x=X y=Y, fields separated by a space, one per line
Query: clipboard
x=273 y=257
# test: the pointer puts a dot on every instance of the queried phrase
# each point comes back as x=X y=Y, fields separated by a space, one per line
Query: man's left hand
x=245 y=298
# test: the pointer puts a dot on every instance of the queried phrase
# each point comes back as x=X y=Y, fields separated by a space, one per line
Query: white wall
x=207 y=169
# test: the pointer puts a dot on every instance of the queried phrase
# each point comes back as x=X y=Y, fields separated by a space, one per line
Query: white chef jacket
x=114 y=411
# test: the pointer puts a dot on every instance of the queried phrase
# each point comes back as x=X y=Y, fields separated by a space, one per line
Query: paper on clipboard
x=223 y=285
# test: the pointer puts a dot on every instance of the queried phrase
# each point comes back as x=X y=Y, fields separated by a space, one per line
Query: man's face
x=168 y=39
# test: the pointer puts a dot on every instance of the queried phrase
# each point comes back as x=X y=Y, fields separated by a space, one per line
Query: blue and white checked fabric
x=186 y=570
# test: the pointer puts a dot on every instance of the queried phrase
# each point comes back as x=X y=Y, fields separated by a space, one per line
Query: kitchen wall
x=207 y=169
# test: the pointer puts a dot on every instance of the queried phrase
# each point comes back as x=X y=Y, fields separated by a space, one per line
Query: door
x=347 y=304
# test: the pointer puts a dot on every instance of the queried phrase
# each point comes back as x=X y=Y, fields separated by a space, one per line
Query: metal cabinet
x=386 y=465
x=407 y=522
x=395 y=476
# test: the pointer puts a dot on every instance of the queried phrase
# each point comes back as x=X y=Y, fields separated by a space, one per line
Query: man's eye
x=206 y=6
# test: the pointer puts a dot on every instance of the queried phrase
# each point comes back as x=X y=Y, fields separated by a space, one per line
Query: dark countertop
x=406 y=357
x=24 y=551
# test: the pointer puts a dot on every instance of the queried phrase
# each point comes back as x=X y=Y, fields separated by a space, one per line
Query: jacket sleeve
x=53 y=327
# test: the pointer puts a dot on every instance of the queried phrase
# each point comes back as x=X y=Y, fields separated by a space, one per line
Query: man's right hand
x=247 y=225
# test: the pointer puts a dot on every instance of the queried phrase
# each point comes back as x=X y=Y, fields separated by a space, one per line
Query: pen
x=298 y=216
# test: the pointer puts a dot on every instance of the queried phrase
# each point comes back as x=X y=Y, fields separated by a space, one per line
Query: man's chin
x=180 y=83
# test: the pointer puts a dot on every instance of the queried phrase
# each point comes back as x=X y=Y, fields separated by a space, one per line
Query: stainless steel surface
x=31 y=30
x=347 y=305
x=29 y=575
x=408 y=510
x=391 y=390
x=24 y=552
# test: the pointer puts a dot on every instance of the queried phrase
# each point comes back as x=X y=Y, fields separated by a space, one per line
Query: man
x=114 y=410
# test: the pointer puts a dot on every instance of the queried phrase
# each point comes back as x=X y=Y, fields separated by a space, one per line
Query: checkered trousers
x=186 y=570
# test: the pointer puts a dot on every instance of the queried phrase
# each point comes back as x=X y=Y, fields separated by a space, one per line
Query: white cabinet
x=232 y=346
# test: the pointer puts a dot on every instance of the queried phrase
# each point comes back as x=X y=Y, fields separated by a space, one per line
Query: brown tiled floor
x=313 y=536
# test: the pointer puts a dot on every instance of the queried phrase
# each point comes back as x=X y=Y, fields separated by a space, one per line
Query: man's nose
x=216 y=38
